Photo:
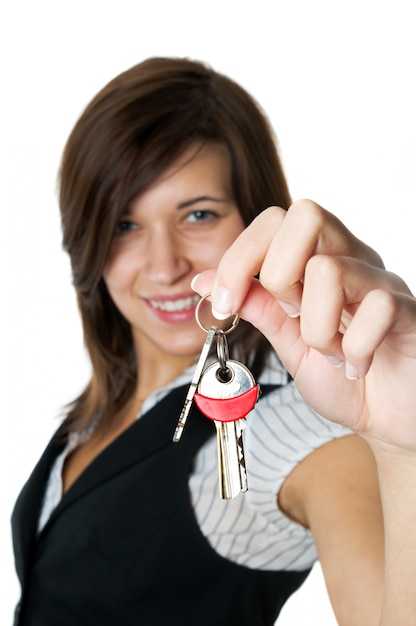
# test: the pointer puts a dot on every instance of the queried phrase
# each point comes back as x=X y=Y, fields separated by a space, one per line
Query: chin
x=187 y=349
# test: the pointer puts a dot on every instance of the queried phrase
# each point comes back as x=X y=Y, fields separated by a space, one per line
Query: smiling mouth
x=174 y=306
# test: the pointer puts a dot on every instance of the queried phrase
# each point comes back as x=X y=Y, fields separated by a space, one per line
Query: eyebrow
x=192 y=201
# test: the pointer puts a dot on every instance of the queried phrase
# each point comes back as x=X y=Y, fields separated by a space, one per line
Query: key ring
x=202 y=327
x=223 y=354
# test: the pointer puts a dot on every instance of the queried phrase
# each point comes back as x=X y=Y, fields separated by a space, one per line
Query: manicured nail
x=351 y=371
x=334 y=360
x=193 y=281
x=290 y=309
x=222 y=304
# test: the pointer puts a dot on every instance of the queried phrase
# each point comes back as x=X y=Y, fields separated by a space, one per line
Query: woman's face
x=182 y=224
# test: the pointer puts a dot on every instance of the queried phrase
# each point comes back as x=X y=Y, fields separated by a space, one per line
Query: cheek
x=215 y=253
x=120 y=271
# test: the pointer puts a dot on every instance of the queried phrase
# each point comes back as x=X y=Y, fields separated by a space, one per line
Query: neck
x=156 y=371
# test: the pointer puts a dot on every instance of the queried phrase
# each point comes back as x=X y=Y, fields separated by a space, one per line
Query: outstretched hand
x=343 y=326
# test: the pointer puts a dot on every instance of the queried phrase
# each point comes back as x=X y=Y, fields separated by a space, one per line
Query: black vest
x=123 y=546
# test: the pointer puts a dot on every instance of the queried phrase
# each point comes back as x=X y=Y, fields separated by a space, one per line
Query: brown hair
x=126 y=137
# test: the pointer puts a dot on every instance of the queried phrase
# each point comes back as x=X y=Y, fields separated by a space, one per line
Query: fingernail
x=334 y=360
x=193 y=281
x=290 y=309
x=351 y=371
x=222 y=303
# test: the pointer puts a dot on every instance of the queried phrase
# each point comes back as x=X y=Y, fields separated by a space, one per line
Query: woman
x=160 y=177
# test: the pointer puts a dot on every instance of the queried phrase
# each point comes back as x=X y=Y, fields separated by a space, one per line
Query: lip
x=173 y=309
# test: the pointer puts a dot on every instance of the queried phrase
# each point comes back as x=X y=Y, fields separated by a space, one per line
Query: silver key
x=194 y=384
x=226 y=395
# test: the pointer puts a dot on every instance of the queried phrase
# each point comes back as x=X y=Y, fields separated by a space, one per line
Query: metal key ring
x=223 y=353
x=202 y=327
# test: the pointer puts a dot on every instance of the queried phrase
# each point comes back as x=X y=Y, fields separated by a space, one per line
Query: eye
x=125 y=226
x=200 y=216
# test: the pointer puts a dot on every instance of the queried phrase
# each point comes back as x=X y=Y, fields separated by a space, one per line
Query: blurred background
x=337 y=80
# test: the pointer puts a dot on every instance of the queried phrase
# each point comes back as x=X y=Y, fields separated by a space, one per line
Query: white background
x=338 y=82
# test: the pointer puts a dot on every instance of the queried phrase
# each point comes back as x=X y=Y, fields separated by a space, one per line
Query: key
x=226 y=393
x=194 y=384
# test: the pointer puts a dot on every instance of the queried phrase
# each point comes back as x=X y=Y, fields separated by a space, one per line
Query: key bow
x=228 y=409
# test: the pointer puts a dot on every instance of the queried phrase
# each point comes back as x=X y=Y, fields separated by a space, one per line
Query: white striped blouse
x=250 y=529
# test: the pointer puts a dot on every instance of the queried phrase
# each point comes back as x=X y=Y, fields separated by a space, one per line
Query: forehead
x=203 y=164
x=201 y=172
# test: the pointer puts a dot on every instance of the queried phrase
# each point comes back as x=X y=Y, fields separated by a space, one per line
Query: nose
x=166 y=262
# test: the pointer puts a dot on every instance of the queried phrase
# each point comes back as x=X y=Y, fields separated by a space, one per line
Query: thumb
x=263 y=311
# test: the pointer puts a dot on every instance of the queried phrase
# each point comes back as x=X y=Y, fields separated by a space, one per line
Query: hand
x=343 y=326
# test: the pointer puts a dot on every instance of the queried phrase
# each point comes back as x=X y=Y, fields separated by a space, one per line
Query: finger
x=202 y=283
x=259 y=307
x=242 y=261
x=308 y=229
x=277 y=245
x=323 y=302
x=263 y=311
x=334 y=287
x=383 y=317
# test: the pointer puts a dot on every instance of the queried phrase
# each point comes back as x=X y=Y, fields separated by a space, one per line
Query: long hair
x=128 y=135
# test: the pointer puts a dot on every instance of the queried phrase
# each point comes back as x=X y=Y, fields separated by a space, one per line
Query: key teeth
x=243 y=473
x=194 y=383
x=177 y=434
x=232 y=470
x=241 y=457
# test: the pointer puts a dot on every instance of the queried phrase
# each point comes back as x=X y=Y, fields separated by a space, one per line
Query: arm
x=334 y=492
x=323 y=299
x=397 y=475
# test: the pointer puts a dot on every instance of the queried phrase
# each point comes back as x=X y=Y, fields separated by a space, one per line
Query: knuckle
x=324 y=269
x=383 y=302
x=272 y=217
x=310 y=212
x=273 y=282
x=320 y=340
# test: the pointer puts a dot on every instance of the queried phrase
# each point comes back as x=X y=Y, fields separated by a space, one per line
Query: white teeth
x=175 y=305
